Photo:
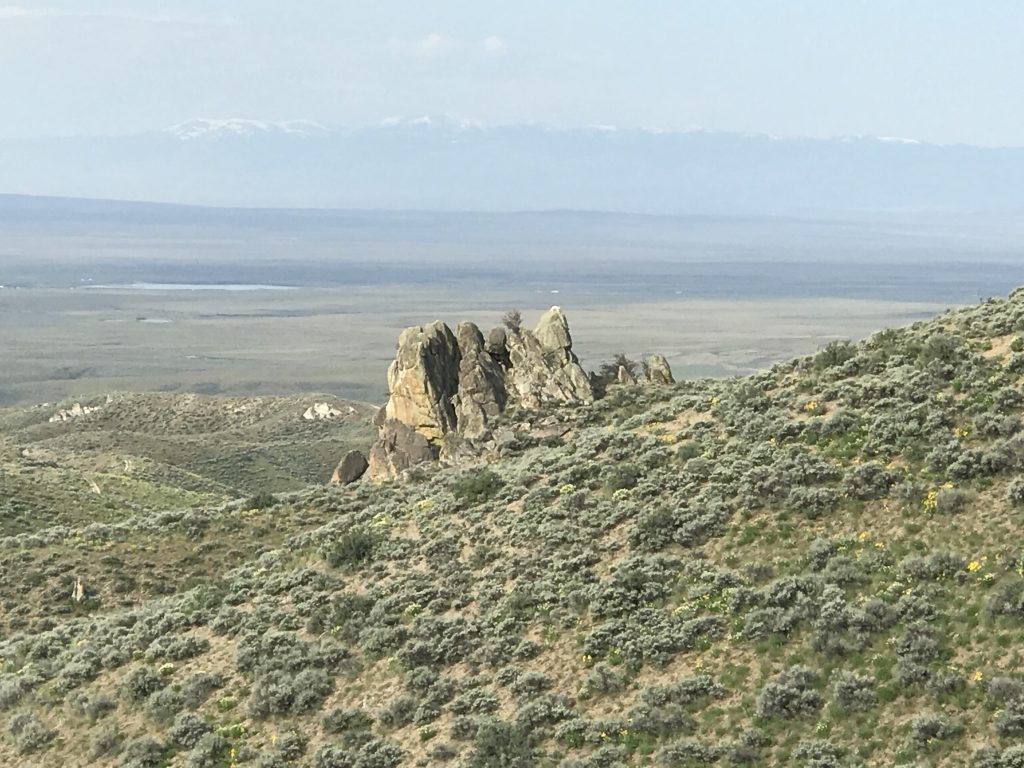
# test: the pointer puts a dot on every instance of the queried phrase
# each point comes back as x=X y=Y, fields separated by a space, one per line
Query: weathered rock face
x=350 y=468
x=658 y=370
x=623 y=376
x=542 y=367
x=446 y=389
x=423 y=380
x=481 y=392
x=398 y=448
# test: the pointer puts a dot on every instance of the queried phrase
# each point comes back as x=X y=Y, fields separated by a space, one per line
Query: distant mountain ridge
x=447 y=164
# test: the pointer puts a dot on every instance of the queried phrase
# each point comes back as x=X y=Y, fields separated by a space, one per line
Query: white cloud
x=12 y=12
x=493 y=45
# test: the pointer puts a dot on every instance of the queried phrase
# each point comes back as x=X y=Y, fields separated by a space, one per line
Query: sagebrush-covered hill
x=123 y=454
x=818 y=565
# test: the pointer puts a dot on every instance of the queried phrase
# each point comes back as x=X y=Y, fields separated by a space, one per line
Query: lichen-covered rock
x=658 y=370
x=481 y=392
x=350 y=468
x=423 y=380
x=398 y=448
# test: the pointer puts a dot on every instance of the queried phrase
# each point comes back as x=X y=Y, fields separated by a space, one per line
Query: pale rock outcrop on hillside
x=325 y=412
x=446 y=389
x=75 y=411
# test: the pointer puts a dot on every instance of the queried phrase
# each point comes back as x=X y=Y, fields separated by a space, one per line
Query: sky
x=933 y=70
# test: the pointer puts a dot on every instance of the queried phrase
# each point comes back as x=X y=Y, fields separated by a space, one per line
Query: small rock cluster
x=325 y=412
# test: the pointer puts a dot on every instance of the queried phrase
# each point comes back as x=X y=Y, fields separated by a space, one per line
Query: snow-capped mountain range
x=206 y=128
x=444 y=163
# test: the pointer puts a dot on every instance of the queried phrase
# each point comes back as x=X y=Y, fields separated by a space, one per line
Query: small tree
x=513 y=320
x=610 y=370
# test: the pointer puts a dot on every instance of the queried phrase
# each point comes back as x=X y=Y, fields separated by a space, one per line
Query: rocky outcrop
x=423 y=380
x=623 y=376
x=658 y=370
x=350 y=468
x=446 y=389
x=325 y=412
x=75 y=411
x=542 y=367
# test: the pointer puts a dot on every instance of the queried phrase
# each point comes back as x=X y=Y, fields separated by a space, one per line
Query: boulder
x=398 y=448
x=624 y=376
x=350 y=468
x=423 y=380
x=658 y=370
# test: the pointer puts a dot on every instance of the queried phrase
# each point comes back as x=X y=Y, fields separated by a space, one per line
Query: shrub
x=1008 y=599
x=105 y=743
x=280 y=692
x=208 y=752
x=689 y=752
x=868 y=481
x=790 y=695
x=853 y=691
x=188 y=728
x=812 y=502
x=498 y=743
x=198 y=687
x=835 y=354
x=12 y=689
x=1015 y=493
x=399 y=712
x=928 y=727
x=262 y=500
x=143 y=752
x=950 y=501
x=139 y=684
x=1010 y=722
x=1005 y=689
x=354 y=547
x=164 y=705
x=477 y=487
x=30 y=735
x=345 y=720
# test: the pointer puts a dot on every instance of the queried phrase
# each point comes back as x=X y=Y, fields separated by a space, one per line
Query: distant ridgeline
x=448 y=390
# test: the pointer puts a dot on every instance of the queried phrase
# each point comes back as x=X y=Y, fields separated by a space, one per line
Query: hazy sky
x=934 y=70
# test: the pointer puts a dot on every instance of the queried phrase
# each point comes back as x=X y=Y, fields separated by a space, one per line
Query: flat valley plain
x=92 y=298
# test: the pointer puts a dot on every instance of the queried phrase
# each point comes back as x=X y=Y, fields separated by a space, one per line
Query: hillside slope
x=126 y=454
x=818 y=565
